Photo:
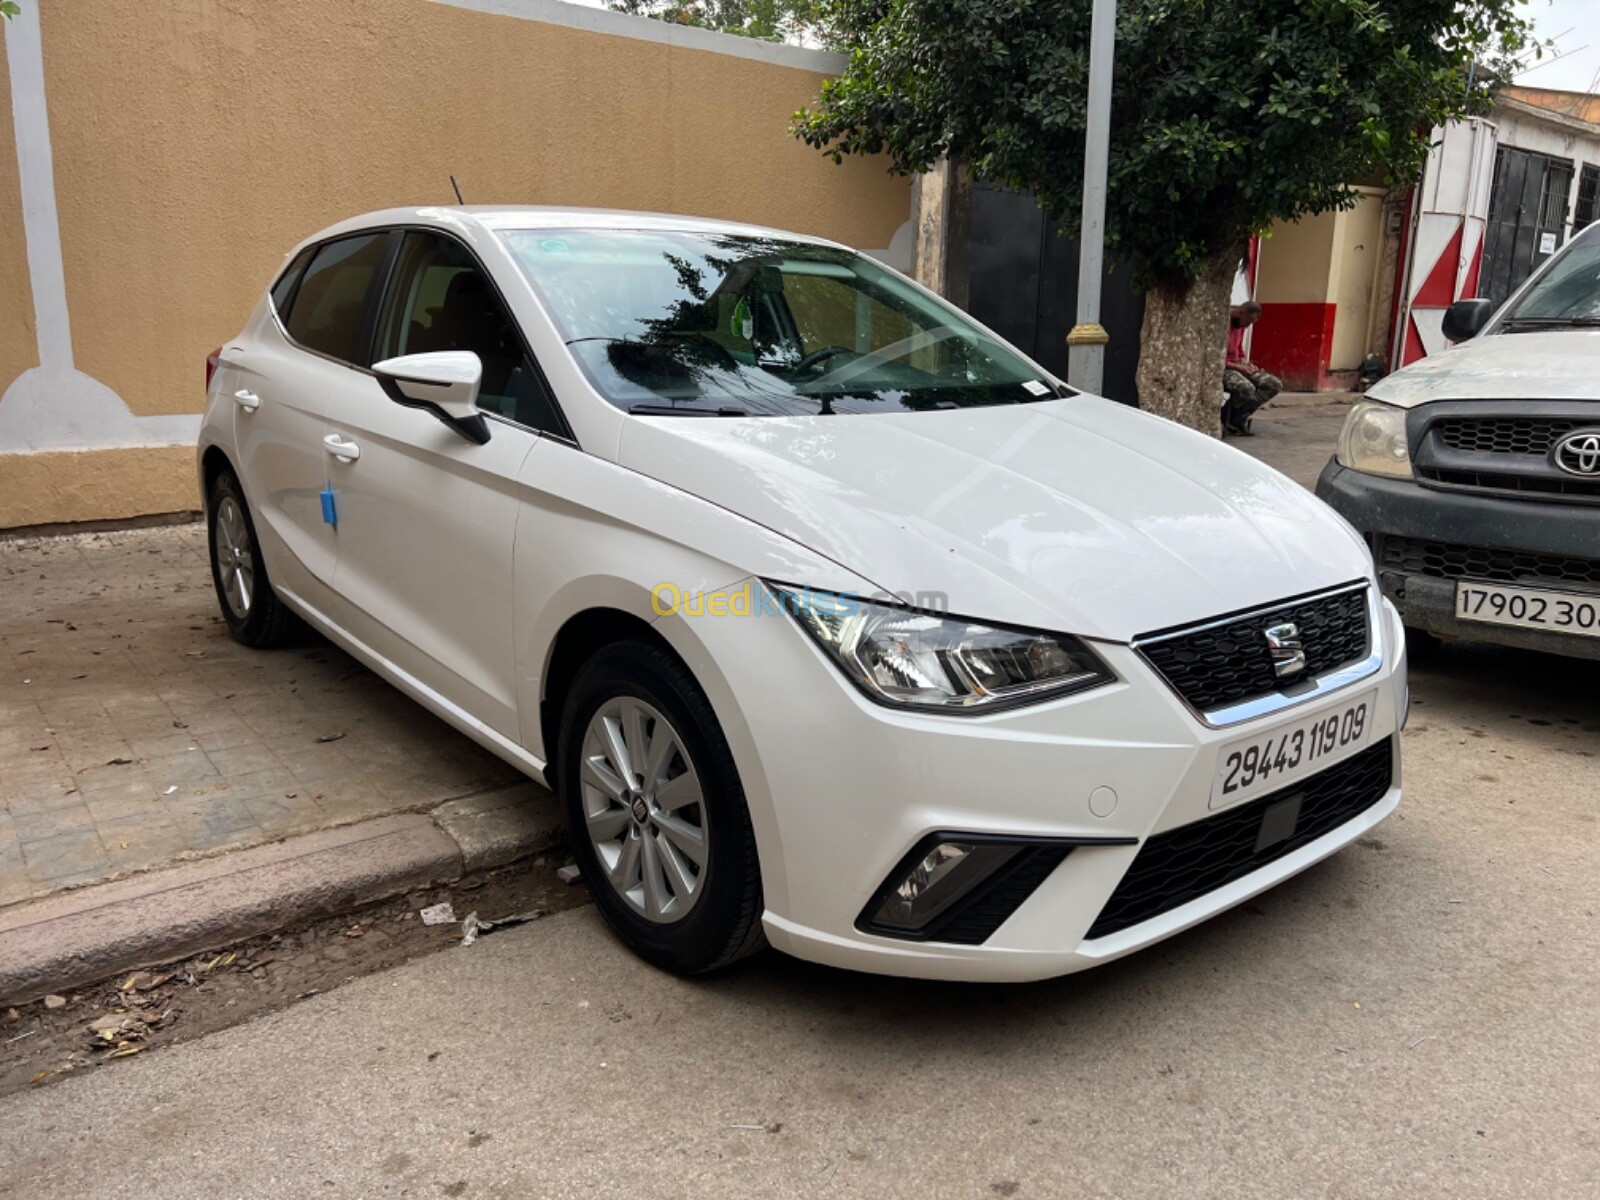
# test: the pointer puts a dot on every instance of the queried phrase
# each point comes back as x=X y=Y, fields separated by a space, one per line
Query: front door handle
x=247 y=400
x=342 y=449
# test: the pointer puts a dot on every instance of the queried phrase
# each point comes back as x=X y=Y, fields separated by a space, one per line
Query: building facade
x=157 y=161
x=1369 y=285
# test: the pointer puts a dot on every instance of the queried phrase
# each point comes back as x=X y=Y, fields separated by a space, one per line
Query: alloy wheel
x=230 y=544
x=644 y=809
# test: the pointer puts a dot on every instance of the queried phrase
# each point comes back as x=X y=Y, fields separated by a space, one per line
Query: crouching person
x=1246 y=385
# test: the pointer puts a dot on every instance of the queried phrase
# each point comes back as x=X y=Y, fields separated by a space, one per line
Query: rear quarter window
x=283 y=290
x=327 y=306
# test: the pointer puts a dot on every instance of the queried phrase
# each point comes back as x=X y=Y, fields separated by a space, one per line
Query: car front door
x=427 y=518
x=282 y=383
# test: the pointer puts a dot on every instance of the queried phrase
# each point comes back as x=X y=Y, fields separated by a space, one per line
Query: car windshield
x=722 y=324
x=1569 y=293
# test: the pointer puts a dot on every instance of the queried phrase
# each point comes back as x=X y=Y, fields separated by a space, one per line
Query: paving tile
x=141 y=842
x=40 y=797
x=190 y=766
x=31 y=826
x=244 y=760
x=278 y=814
x=14 y=882
x=122 y=806
x=73 y=853
x=213 y=823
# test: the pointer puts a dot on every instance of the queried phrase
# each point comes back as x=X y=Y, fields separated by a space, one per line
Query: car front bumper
x=841 y=789
x=1382 y=508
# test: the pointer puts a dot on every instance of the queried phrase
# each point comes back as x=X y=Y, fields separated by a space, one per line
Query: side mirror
x=444 y=383
x=1465 y=319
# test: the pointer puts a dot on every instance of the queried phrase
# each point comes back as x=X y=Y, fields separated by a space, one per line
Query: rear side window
x=283 y=290
x=326 y=315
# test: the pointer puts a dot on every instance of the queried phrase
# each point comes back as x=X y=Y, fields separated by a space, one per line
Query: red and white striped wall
x=1442 y=247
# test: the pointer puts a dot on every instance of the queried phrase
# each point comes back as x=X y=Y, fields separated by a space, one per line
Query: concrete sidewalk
x=163 y=789
x=134 y=733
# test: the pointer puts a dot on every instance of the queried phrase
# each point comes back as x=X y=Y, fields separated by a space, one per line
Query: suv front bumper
x=1383 y=508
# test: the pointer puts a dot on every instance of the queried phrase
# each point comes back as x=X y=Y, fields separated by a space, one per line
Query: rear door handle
x=247 y=400
x=340 y=448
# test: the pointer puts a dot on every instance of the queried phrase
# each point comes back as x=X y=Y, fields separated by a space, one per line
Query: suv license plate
x=1528 y=608
x=1277 y=757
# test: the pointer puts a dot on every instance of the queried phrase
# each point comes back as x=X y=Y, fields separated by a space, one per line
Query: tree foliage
x=9 y=9
x=1226 y=114
x=767 y=20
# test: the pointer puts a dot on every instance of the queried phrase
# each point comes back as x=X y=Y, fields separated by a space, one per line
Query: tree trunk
x=1183 y=343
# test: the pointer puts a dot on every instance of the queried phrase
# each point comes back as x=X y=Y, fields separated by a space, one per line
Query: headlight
x=1374 y=440
x=910 y=659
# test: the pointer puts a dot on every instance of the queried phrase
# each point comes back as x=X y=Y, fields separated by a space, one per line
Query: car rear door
x=282 y=382
x=427 y=518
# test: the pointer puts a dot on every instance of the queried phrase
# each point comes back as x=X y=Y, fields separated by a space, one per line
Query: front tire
x=655 y=811
x=254 y=614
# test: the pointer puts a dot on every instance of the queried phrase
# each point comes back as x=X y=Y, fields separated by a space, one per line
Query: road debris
x=330 y=737
x=569 y=873
x=472 y=925
x=55 y=1002
x=438 y=914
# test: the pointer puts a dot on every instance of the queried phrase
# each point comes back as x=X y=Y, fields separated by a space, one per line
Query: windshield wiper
x=670 y=410
x=1536 y=322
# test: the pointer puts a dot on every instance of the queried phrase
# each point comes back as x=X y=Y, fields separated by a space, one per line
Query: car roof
x=497 y=217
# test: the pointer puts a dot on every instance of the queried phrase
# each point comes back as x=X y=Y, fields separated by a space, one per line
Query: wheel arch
x=214 y=461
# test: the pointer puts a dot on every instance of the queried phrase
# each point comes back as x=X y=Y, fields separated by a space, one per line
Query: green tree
x=1227 y=115
x=767 y=20
x=9 y=9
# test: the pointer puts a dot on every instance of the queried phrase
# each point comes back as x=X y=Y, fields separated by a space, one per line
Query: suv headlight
x=910 y=659
x=1373 y=440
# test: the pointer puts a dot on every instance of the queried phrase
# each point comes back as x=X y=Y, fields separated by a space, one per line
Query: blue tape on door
x=330 y=510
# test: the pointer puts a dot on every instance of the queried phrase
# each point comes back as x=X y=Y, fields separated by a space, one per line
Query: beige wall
x=1296 y=261
x=17 y=350
x=195 y=141
x=1358 y=248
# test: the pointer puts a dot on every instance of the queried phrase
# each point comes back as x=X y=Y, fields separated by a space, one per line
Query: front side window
x=440 y=299
x=736 y=325
x=1566 y=294
x=327 y=306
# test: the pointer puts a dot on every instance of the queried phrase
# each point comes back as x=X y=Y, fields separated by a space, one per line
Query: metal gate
x=1527 y=218
x=1023 y=284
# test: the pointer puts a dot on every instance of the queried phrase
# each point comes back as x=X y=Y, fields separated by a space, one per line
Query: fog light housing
x=936 y=881
x=961 y=887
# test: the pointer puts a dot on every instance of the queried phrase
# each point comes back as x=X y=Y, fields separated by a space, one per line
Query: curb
x=74 y=938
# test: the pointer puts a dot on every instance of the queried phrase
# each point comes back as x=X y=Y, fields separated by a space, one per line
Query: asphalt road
x=1418 y=1016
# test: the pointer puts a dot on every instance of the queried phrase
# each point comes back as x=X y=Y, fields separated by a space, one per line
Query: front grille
x=1443 y=560
x=1502 y=435
x=1226 y=663
x=1540 y=486
x=1184 y=864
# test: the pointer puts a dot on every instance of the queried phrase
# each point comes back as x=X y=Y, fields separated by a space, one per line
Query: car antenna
x=457 y=187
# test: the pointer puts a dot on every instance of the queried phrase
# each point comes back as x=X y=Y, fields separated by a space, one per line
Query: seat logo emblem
x=1579 y=453
x=1288 y=653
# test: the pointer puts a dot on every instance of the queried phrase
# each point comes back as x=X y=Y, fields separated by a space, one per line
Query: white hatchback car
x=833 y=620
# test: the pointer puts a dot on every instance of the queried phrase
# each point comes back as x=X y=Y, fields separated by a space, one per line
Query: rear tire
x=254 y=614
x=650 y=787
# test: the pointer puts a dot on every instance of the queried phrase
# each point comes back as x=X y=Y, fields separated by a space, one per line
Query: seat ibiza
x=835 y=622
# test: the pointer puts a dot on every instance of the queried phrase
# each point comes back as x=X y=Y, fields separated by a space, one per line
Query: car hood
x=1078 y=515
x=1557 y=365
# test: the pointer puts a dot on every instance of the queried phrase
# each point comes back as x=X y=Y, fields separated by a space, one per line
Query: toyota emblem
x=1579 y=452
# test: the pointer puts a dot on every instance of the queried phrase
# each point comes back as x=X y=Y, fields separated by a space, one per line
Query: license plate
x=1528 y=608
x=1276 y=758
